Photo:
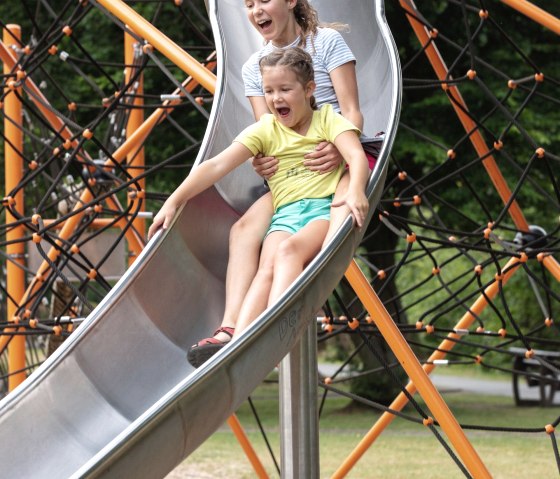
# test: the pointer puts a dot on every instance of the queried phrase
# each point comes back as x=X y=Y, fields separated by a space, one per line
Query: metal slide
x=118 y=399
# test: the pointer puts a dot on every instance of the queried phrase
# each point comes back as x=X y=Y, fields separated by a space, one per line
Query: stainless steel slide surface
x=119 y=399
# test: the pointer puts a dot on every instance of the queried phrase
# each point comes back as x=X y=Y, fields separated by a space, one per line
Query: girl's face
x=273 y=19
x=287 y=98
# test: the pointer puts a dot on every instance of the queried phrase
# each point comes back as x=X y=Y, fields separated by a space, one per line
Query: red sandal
x=202 y=351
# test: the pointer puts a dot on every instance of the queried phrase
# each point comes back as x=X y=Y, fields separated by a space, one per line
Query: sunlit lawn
x=404 y=450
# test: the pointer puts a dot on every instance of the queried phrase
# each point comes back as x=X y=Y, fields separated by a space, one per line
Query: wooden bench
x=544 y=375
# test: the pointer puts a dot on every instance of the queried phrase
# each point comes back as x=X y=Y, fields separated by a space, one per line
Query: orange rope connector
x=72 y=106
x=480 y=329
x=27 y=50
x=33 y=165
x=540 y=152
x=444 y=86
x=411 y=238
x=419 y=324
x=92 y=182
x=325 y=320
x=539 y=77
x=434 y=33
x=430 y=329
x=369 y=319
x=106 y=102
x=549 y=428
x=381 y=274
x=498 y=277
x=87 y=134
x=8 y=201
x=20 y=75
x=15 y=319
x=428 y=421
x=487 y=232
x=471 y=74
x=498 y=145
x=397 y=203
x=328 y=328
x=36 y=218
x=57 y=330
x=147 y=48
x=451 y=154
x=53 y=49
x=529 y=353
x=353 y=323
x=37 y=238
x=178 y=3
x=416 y=200
x=67 y=30
x=33 y=323
x=502 y=332
x=452 y=238
x=12 y=84
x=342 y=318
x=98 y=208
x=523 y=258
x=56 y=151
x=483 y=14
x=512 y=84
x=548 y=322
x=402 y=175
x=199 y=100
x=67 y=144
x=478 y=359
x=27 y=314
x=436 y=270
x=478 y=269
x=327 y=380
x=92 y=274
x=74 y=249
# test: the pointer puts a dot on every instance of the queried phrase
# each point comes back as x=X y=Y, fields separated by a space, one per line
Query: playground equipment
x=457 y=296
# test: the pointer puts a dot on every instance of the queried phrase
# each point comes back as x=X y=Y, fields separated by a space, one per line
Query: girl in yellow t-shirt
x=301 y=198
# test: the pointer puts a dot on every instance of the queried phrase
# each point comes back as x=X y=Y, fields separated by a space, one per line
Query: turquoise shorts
x=294 y=216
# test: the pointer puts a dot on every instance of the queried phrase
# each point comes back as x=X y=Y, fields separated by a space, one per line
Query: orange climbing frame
x=416 y=373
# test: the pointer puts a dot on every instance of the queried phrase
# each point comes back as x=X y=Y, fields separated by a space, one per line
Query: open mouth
x=263 y=25
x=283 y=112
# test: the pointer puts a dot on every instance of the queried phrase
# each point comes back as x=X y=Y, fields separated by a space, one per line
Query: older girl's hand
x=265 y=166
x=324 y=158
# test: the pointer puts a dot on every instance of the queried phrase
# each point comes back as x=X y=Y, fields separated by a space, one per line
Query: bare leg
x=257 y=297
x=245 y=241
x=338 y=213
x=294 y=254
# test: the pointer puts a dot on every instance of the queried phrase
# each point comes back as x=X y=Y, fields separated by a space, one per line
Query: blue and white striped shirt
x=327 y=49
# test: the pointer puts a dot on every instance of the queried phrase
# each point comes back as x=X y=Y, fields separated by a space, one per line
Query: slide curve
x=118 y=399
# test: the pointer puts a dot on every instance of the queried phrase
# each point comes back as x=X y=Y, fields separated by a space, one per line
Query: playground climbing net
x=463 y=247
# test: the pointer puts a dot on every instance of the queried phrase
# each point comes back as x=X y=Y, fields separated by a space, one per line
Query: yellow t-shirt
x=293 y=181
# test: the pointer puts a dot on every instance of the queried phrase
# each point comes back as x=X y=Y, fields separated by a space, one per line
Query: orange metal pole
x=535 y=13
x=552 y=265
x=244 y=442
x=135 y=159
x=446 y=345
x=470 y=127
x=15 y=273
x=410 y=364
x=163 y=44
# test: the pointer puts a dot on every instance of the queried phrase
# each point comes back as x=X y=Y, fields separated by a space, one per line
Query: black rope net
x=462 y=249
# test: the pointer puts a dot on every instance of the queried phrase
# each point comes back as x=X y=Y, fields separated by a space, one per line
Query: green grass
x=404 y=449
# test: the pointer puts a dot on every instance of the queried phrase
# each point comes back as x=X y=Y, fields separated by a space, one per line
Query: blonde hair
x=297 y=60
x=308 y=20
